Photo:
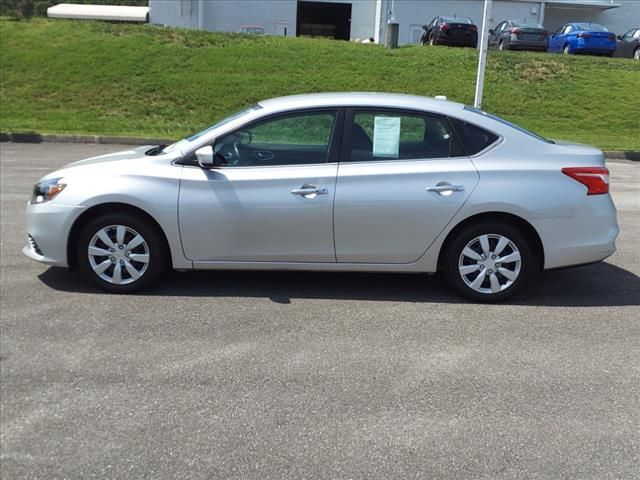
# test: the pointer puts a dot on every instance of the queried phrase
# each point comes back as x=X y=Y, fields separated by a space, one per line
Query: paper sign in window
x=386 y=137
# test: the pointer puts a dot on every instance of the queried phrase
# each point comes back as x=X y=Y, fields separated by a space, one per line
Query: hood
x=133 y=160
x=132 y=154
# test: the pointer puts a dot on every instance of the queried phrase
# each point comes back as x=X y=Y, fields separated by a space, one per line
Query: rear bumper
x=456 y=41
x=594 y=51
x=528 y=45
x=602 y=49
x=589 y=236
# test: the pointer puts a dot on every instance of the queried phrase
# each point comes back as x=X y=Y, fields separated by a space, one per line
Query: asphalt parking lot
x=315 y=375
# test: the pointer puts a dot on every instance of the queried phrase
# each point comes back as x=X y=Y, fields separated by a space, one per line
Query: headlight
x=47 y=190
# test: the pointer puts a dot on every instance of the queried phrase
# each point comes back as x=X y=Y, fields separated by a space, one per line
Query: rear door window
x=389 y=135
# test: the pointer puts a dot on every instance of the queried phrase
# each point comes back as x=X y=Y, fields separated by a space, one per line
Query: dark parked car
x=629 y=44
x=514 y=35
x=454 y=31
x=592 y=38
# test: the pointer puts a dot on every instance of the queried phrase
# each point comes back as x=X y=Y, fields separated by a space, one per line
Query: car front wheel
x=489 y=262
x=121 y=253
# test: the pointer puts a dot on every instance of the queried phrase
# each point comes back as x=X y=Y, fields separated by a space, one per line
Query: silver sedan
x=334 y=182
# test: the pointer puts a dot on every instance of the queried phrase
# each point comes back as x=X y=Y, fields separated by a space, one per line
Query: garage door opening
x=324 y=19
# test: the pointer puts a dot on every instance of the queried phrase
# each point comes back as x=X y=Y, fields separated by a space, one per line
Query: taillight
x=473 y=28
x=584 y=35
x=611 y=36
x=515 y=30
x=596 y=179
x=545 y=34
x=444 y=26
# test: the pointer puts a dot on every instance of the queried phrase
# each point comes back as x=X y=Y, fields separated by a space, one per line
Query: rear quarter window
x=474 y=138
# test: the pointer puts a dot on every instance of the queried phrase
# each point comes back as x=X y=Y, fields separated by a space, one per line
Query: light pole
x=482 y=60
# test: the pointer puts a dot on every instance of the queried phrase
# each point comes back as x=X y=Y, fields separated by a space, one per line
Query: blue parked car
x=591 y=38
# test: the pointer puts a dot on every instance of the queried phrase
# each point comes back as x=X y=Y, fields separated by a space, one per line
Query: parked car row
x=570 y=38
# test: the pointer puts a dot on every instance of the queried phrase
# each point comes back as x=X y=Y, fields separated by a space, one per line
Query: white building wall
x=363 y=18
x=177 y=13
x=227 y=15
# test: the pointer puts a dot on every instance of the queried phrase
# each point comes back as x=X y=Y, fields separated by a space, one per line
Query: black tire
x=432 y=41
x=155 y=246
x=529 y=264
x=501 y=45
x=636 y=54
x=565 y=50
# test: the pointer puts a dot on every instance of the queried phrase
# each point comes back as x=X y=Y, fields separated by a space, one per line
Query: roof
x=99 y=12
x=583 y=4
x=359 y=99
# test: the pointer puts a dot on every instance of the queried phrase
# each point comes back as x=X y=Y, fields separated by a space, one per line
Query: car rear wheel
x=565 y=50
x=121 y=253
x=489 y=262
x=636 y=54
x=501 y=45
x=432 y=42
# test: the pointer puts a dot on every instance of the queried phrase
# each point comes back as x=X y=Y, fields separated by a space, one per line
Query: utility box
x=391 y=38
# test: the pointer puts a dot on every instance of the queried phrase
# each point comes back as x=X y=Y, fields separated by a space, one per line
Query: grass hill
x=81 y=77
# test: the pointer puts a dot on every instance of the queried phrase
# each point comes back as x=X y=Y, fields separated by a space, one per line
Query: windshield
x=185 y=142
x=505 y=122
x=591 y=27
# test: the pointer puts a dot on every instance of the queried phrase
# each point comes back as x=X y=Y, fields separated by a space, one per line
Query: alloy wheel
x=636 y=54
x=118 y=254
x=490 y=263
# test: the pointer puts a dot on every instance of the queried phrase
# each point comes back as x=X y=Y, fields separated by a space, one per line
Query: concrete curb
x=45 y=138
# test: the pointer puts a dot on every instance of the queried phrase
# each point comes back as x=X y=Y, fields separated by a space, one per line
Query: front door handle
x=444 y=188
x=309 y=191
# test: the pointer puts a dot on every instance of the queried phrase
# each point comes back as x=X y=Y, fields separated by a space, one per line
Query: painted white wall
x=227 y=15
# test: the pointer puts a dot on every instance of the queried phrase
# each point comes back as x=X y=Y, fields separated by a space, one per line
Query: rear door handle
x=445 y=189
x=309 y=191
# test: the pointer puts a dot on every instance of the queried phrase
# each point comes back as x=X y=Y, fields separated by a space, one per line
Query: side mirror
x=204 y=156
x=491 y=31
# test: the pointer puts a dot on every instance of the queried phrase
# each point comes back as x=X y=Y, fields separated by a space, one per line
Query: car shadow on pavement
x=599 y=284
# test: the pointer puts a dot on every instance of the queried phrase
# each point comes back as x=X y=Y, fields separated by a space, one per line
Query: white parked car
x=338 y=182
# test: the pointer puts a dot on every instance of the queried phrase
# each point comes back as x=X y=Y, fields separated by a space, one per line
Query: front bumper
x=48 y=225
